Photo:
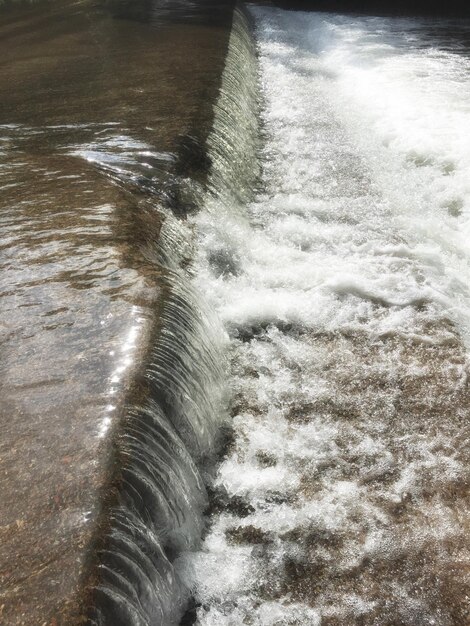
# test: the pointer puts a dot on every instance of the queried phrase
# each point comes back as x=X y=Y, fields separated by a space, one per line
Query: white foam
x=359 y=235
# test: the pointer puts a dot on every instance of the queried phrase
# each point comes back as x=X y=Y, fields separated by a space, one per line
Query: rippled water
x=343 y=285
x=104 y=111
x=322 y=220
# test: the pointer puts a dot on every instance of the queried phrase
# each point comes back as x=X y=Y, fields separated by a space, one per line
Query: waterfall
x=154 y=508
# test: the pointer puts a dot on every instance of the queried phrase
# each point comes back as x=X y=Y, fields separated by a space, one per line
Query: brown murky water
x=98 y=99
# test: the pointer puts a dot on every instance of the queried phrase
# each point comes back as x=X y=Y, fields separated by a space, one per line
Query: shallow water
x=104 y=111
x=343 y=286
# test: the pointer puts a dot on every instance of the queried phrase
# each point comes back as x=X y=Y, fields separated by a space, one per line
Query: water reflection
x=97 y=100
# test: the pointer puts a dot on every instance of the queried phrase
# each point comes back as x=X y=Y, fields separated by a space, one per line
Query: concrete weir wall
x=104 y=114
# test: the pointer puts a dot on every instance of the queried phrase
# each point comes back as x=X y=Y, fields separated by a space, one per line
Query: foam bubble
x=344 y=290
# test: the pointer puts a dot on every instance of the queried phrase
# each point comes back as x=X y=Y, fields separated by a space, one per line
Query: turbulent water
x=343 y=286
x=307 y=243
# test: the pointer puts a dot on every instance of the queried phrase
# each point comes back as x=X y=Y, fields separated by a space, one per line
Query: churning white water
x=344 y=287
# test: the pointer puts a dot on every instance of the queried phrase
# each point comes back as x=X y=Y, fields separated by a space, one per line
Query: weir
x=170 y=439
x=165 y=444
x=269 y=354
x=110 y=380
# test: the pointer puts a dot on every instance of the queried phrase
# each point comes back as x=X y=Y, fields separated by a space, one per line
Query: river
x=235 y=316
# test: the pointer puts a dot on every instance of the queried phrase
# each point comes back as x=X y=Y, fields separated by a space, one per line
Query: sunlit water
x=344 y=288
x=103 y=107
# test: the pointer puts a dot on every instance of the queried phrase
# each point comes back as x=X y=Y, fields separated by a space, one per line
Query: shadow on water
x=376 y=7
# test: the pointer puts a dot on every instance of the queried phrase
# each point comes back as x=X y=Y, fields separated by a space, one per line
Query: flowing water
x=304 y=239
x=109 y=380
x=343 y=287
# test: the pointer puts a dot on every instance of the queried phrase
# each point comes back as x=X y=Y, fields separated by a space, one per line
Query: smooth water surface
x=103 y=107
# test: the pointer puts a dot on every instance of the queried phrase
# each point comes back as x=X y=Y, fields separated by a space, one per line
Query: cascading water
x=175 y=412
x=157 y=509
x=343 y=286
x=311 y=255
